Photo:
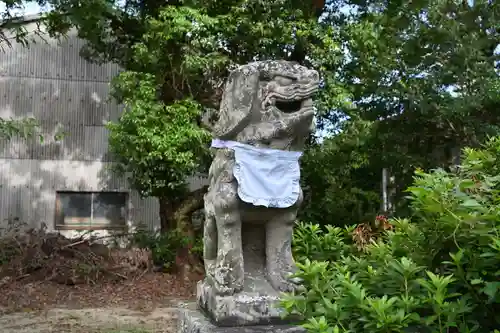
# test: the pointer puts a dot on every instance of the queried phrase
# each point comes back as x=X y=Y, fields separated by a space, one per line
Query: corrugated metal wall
x=51 y=82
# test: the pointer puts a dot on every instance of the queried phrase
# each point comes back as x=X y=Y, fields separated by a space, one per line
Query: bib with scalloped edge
x=266 y=177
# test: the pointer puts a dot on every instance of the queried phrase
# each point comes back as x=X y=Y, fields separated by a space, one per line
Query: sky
x=29 y=9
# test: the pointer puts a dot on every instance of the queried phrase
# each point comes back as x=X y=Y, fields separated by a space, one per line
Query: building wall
x=51 y=82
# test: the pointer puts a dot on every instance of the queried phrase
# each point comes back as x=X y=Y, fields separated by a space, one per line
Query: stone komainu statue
x=266 y=114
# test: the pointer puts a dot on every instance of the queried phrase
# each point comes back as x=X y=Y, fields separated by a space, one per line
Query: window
x=91 y=210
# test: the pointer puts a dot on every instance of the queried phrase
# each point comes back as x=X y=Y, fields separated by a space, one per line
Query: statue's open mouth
x=293 y=106
x=288 y=106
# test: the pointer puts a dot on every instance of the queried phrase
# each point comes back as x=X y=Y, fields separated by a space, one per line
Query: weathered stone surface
x=247 y=248
x=258 y=302
x=194 y=321
x=245 y=308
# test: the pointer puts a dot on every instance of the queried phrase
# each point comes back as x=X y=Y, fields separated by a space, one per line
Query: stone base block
x=252 y=306
x=194 y=321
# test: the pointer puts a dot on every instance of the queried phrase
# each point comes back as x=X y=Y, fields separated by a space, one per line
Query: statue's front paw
x=225 y=283
x=224 y=290
x=286 y=286
x=285 y=282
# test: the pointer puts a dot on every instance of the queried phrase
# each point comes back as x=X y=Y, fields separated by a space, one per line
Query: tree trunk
x=167 y=211
x=186 y=262
x=186 y=209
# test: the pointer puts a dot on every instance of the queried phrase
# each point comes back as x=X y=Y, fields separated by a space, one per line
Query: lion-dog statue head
x=265 y=104
x=268 y=100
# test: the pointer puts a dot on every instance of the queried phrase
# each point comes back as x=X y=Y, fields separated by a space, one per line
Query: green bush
x=315 y=242
x=197 y=248
x=163 y=246
x=438 y=272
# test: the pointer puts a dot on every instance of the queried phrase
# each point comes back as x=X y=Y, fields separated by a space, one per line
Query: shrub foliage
x=436 y=272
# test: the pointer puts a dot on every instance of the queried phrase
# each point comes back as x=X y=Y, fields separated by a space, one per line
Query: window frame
x=59 y=218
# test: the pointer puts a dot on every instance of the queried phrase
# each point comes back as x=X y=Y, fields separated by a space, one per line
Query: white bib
x=266 y=177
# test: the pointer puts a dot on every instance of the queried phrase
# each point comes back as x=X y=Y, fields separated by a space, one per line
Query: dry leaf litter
x=40 y=270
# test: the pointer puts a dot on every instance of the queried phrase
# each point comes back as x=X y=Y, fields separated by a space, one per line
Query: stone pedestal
x=243 y=309
x=192 y=320
x=258 y=302
x=254 y=309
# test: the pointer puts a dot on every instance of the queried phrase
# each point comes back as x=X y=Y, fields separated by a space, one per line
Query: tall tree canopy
x=426 y=72
x=416 y=80
x=423 y=77
x=176 y=56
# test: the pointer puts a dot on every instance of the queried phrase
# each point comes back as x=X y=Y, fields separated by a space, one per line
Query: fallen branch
x=36 y=255
x=94 y=240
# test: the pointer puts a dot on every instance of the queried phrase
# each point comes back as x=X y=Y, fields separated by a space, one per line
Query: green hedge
x=436 y=272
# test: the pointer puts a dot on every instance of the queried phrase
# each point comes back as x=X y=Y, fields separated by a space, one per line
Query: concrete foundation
x=192 y=320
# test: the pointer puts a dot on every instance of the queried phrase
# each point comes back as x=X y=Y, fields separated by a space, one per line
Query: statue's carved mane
x=244 y=92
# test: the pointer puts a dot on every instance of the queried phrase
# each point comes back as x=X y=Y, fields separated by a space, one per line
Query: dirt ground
x=49 y=283
x=90 y=320
x=144 y=305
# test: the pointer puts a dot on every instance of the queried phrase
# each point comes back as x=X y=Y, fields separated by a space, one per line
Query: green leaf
x=491 y=289
x=476 y=281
